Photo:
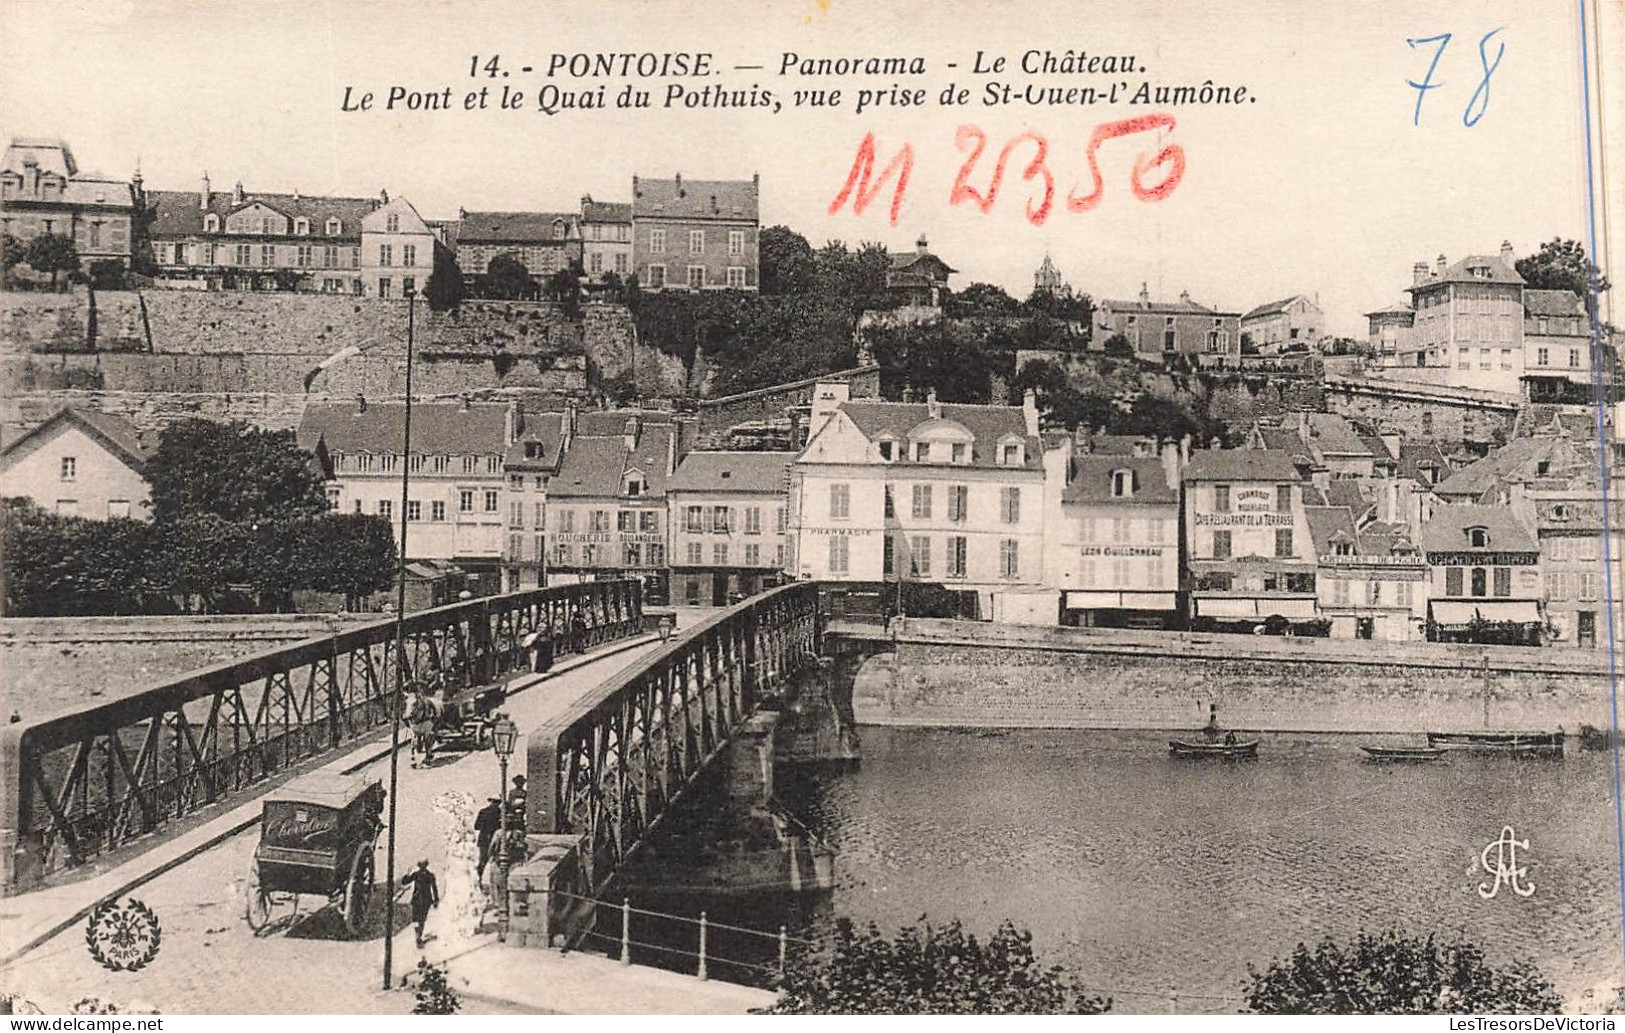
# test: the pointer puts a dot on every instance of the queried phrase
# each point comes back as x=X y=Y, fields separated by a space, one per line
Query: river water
x=1148 y=876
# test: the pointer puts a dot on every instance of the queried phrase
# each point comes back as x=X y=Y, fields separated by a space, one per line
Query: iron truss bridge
x=607 y=769
x=79 y=784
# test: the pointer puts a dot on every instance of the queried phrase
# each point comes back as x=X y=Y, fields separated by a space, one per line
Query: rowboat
x=1403 y=753
x=1235 y=750
x=1513 y=743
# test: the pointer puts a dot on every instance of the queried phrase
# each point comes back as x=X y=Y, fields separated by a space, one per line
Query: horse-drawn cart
x=457 y=717
x=317 y=837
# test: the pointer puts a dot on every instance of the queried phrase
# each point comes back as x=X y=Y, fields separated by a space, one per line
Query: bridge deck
x=210 y=961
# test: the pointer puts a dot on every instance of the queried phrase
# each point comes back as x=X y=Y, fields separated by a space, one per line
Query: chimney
x=567 y=428
x=1438 y=270
x=908 y=394
x=1145 y=294
x=511 y=424
x=922 y=245
x=679 y=179
x=631 y=432
x=635 y=191
x=586 y=199
x=1185 y=297
x=237 y=193
x=296 y=193
x=1168 y=452
x=1419 y=272
x=827 y=398
x=205 y=195
x=1029 y=410
x=933 y=408
x=383 y=196
x=360 y=402
x=1391 y=440
x=1506 y=253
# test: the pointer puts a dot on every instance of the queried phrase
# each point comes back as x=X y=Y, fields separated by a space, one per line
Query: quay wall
x=951 y=673
x=49 y=664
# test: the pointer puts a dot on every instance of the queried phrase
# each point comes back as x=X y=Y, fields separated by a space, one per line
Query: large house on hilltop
x=606 y=238
x=258 y=241
x=542 y=242
x=695 y=234
x=1271 y=327
x=43 y=192
x=1156 y=328
x=918 y=276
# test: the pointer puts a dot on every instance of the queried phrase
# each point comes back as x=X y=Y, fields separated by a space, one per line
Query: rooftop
x=987 y=424
x=595 y=466
x=1494 y=270
x=114 y=432
x=727 y=200
x=1092 y=477
x=1272 y=308
x=180 y=212
x=757 y=473
x=1446 y=530
x=438 y=428
x=516 y=227
x=1241 y=464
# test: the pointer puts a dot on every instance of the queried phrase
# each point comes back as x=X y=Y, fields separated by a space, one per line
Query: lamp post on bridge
x=504 y=736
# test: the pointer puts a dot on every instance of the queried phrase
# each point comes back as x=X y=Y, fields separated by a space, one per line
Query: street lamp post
x=400 y=659
x=504 y=736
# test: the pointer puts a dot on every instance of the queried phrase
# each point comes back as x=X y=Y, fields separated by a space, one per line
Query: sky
x=1322 y=183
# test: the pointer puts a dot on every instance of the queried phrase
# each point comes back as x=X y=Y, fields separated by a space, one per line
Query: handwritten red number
x=977 y=140
x=1172 y=155
x=902 y=163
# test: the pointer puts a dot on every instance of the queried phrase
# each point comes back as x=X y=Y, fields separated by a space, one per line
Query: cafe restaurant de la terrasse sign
x=1254 y=508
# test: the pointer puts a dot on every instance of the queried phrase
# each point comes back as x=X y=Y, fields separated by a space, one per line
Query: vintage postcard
x=811 y=508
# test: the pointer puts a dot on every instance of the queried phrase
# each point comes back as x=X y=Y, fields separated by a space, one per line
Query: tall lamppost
x=400 y=658
x=504 y=736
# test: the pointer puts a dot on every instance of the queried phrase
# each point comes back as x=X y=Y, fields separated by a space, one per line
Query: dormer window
x=961 y=452
x=922 y=451
x=334 y=227
x=1342 y=547
x=1122 y=484
x=1478 y=537
x=211 y=223
x=1011 y=453
x=888 y=449
x=558 y=229
x=634 y=486
x=1560 y=511
x=1543 y=468
x=533 y=450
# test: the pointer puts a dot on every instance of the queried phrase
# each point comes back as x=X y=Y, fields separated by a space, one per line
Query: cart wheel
x=358 y=891
x=258 y=902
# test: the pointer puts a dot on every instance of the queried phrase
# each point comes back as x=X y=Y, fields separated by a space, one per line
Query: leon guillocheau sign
x=294 y=291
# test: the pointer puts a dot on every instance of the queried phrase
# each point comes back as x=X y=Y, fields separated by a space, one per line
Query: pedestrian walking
x=486 y=825
x=516 y=796
x=578 y=630
x=425 y=895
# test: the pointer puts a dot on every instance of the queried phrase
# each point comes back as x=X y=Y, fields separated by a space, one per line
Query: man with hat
x=425 y=895
x=486 y=825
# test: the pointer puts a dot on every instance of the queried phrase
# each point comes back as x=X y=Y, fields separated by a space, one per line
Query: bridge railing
x=81 y=783
x=608 y=768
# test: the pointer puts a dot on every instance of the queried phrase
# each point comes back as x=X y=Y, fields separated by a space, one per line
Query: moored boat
x=1239 y=749
x=1515 y=743
x=1403 y=753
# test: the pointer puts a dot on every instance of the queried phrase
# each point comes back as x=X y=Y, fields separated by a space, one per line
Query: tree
x=929 y=971
x=445 y=290
x=53 y=253
x=1562 y=265
x=1062 y=303
x=60 y=566
x=108 y=274
x=203 y=554
x=984 y=299
x=348 y=554
x=564 y=286
x=786 y=261
x=1395 y=974
x=14 y=250
x=1118 y=347
x=507 y=277
x=233 y=471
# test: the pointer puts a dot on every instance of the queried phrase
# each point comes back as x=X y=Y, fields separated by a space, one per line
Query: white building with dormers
x=932 y=492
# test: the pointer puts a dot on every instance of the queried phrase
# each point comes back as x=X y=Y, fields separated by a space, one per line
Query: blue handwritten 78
x=1480 y=100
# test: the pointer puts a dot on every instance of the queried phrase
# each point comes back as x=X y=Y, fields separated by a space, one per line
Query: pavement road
x=211 y=962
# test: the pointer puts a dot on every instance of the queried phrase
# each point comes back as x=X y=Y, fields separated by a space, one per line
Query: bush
x=435 y=995
x=928 y=971
x=1395 y=974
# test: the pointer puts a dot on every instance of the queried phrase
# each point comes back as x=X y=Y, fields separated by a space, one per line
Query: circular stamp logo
x=123 y=937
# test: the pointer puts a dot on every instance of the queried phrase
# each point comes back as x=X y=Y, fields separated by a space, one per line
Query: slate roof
x=725 y=200
x=1392 y=310
x=178 y=213
x=1092 y=480
x=1283 y=439
x=438 y=428
x=755 y=473
x=1241 y=464
x=1346 y=493
x=610 y=422
x=1172 y=308
x=1500 y=272
x=594 y=465
x=902 y=261
x=1446 y=530
x=1327 y=522
x=1272 y=307
x=79 y=187
x=1118 y=444
x=986 y=423
x=1552 y=303
x=116 y=433
x=1380 y=539
x=1517 y=460
x=515 y=228
x=51 y=155
x=545 y=429
x=1413 y=456
x=605 y=211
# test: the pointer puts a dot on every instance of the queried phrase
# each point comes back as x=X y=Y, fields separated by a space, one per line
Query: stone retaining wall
x=951 y=673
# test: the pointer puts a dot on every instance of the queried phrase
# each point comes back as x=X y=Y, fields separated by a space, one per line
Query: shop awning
x=1226 y=608
x=1286 y=607
x=1148 y=600
x=1093 y=600
x=1519 y=611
